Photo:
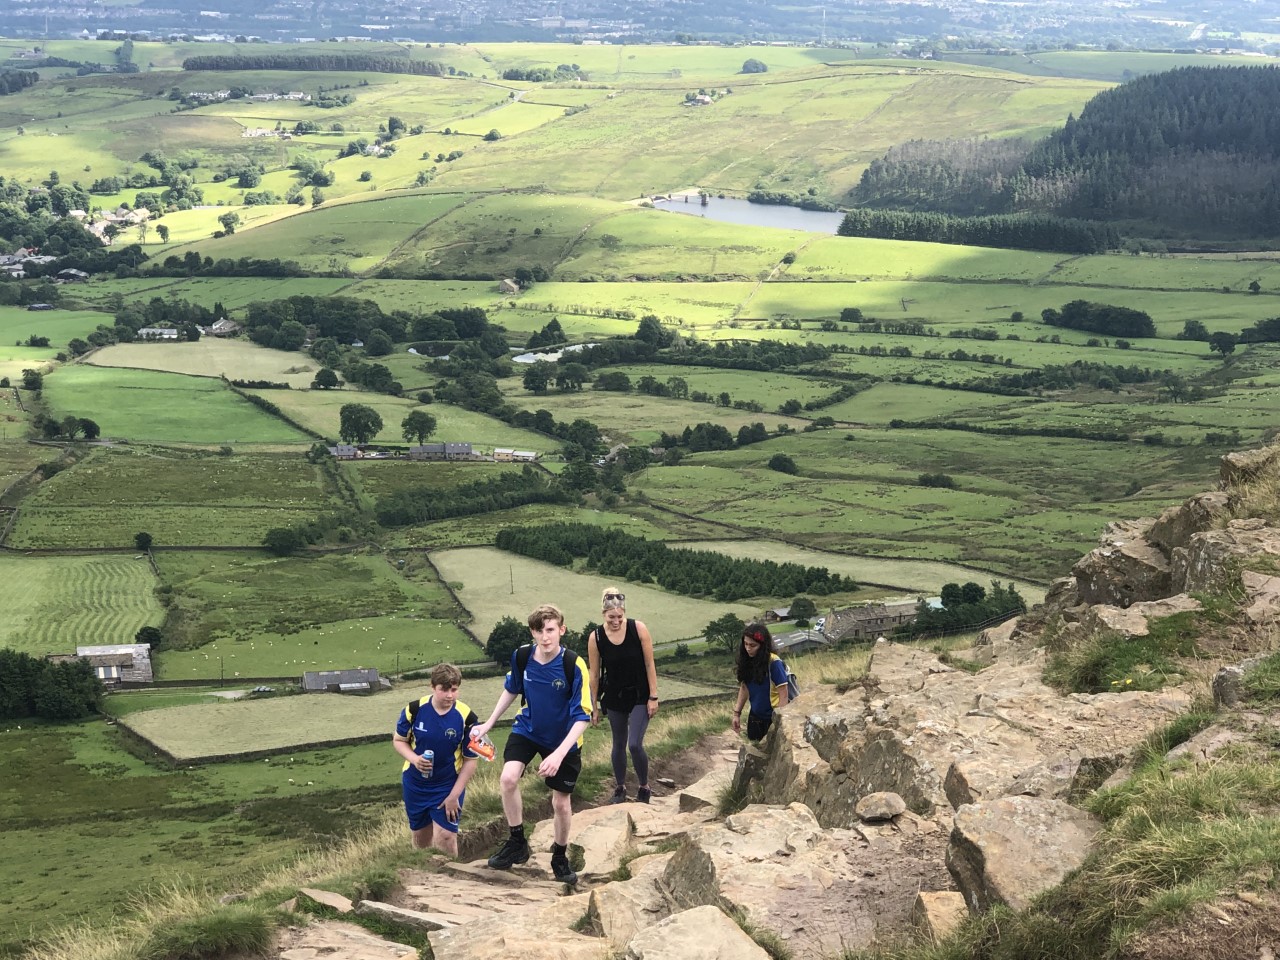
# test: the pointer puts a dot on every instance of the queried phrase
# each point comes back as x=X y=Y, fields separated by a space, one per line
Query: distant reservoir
x=755 y=214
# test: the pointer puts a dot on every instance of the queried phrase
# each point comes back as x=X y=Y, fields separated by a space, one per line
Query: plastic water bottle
x=430 y=757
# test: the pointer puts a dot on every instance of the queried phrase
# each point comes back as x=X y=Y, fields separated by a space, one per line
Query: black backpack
x=570 y=668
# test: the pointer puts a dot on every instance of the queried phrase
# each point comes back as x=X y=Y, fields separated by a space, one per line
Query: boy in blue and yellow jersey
x=435 y=787
x=557 y=693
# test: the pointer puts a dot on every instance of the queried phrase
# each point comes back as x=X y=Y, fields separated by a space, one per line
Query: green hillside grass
x=142 y=405
x=320 y=410
x=180 y=499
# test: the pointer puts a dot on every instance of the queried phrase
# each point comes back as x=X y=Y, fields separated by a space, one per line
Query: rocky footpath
x=903 y=803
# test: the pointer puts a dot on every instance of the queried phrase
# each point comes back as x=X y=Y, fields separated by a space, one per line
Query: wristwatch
x=653 y=698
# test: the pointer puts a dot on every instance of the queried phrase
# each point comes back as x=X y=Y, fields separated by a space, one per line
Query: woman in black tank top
x=624 y=686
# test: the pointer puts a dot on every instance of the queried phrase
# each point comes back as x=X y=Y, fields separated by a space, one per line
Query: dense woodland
x=36 y=687
x=1187 y=152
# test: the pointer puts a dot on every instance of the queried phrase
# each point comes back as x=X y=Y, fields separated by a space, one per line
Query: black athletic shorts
x=524 y=750
x=758 y=726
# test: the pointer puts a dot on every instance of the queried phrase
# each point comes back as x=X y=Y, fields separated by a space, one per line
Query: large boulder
x=1245 y=465
x=1010 y=850
x=703 y=933
x=1176 y=525
x=820 y=890
x=940 y=738
x=1125 y=568
x=1212 y=561
x=1135 y=620
x=1263 y=594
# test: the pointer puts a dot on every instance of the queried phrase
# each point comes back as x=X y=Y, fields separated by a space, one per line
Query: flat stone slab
x=703 y=933
x=410 y=918
x=328 y=898
x=327 y=939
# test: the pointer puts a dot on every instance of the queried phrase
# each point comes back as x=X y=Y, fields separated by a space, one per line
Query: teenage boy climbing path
x=557 y=692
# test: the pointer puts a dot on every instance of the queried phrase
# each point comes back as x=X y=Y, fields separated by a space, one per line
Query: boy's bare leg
x=562 y=816
x=509 y=784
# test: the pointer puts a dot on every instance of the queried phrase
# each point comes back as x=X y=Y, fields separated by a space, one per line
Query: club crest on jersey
x=558 y=684
x=451 y=733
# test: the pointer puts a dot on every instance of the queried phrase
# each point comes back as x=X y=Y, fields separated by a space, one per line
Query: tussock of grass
x=1263 y=681
x=768 y=940
x=176 y=922
x=1110 y=662
x=1259 y=497
x=1180 y=730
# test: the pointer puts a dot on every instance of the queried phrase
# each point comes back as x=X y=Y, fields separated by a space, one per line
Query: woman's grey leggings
x=628 y=727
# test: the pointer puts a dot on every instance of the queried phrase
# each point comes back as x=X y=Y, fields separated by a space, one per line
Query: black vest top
x=626 y=679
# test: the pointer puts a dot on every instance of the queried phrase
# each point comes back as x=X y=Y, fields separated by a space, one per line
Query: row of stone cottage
x=434 y=451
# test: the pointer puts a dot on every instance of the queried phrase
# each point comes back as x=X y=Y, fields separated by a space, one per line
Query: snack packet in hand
x=483 y=746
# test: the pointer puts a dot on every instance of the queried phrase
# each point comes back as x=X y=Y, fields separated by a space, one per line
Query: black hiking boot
x=619 y=795
x=513 y=851
x=560 y=867
x=643 y=794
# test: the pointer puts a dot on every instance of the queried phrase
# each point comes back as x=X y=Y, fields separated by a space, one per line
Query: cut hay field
x=145 y=406
x=181 y=499
x=493 y=584
x=248 y=614
x=60 y=326
x=234 y=359
x=54 y=604
x=214 y=730
x=319 y=410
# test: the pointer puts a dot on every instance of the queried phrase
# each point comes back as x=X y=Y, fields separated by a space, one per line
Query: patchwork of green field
x=145 y=406
x=497 y=233
x=858 y=493
x=942 y=303
x=480 y=530
x=17 y=457
x=824 y=125
x=249 y=615
x=1115 y=67
x=493 y=584
x=60 y=326
x=212 y=356
x=651 y=244
x=233 y=292
x=696 y=304
x=54 y=604
x=768 y=389
x=426 y=296
x=915 y=577
x=348 y=236
x=202 y=731
x=638 y=418
x=380 y=478
x=862 y=259
x=319 y=410
x=211 y=825
x=180 y=498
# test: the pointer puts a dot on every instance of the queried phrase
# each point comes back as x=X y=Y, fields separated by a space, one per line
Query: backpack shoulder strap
x=570 y=668
x=413 y=708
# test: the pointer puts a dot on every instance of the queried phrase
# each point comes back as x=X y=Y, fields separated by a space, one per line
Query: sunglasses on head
x=614 y=600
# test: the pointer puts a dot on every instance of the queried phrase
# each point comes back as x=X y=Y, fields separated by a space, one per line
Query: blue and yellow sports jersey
x=448 y=735
x=553 y=704
x=764 y=696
